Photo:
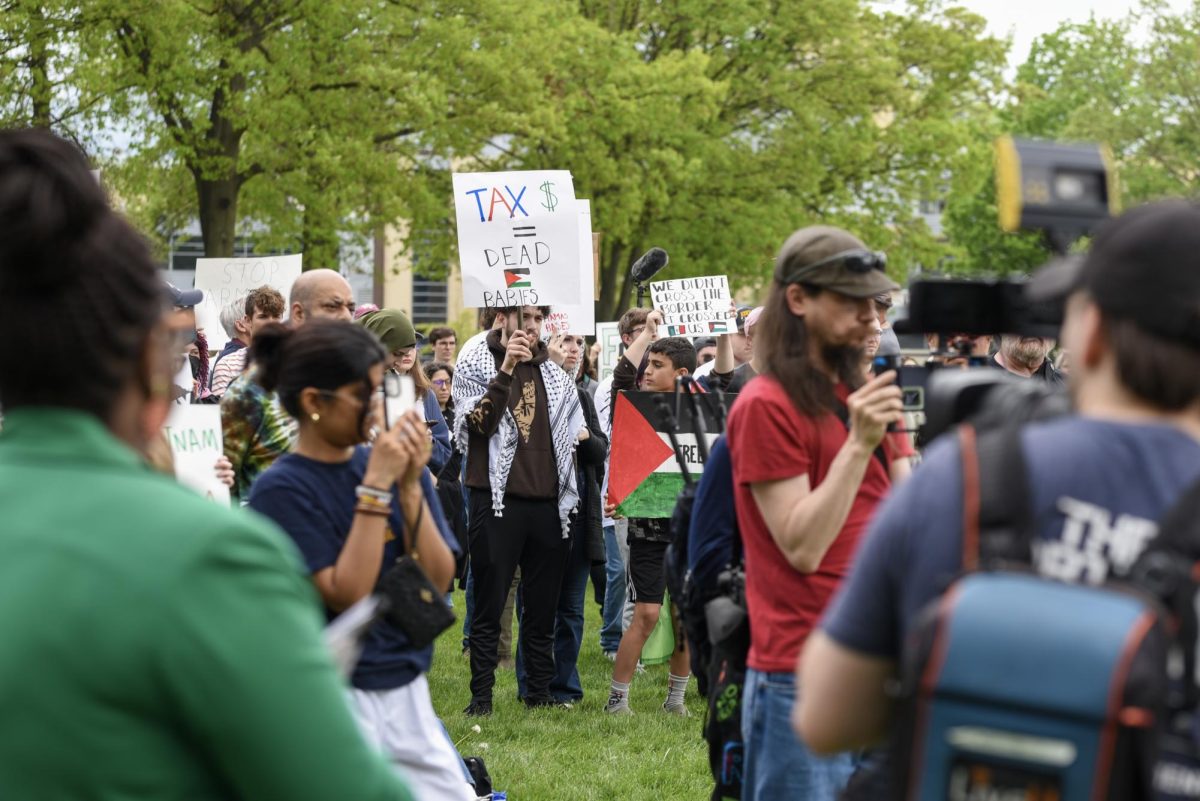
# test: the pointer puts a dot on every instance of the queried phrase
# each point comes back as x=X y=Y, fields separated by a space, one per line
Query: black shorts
x=647 y=579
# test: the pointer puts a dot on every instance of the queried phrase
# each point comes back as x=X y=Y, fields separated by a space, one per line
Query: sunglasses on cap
x=856 y=261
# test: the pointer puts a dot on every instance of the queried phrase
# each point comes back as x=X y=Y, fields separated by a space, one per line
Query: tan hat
x=833 y=259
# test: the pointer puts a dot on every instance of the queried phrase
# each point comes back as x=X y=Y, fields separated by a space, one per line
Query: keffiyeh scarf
x=475 y=369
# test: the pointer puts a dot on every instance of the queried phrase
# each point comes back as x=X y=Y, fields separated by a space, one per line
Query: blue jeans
x=568 y=625
x=777 y=765
x=614 y=593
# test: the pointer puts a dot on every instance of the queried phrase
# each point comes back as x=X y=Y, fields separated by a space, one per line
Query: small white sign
x=695 y=307
x=518 y=238
x=194 y=434
x=578 y=319
x=609 y=337
x=225 y=280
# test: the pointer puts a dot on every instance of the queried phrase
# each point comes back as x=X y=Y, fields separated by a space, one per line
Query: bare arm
x=432 y=553
x=637 y=349
x=804 y=521
x=725 y=361
x=845 y=704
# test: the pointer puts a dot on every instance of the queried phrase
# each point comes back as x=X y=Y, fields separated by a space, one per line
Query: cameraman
x=1099 y=479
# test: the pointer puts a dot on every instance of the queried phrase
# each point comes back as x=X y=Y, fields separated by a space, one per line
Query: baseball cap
x=183 y=298
x=699 y=343
x=752 y=318
x=1141 y=266
x=833 y=259
x=743 y=312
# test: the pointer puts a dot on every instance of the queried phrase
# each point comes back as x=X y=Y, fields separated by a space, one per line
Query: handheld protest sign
x=225 y=280
x=609 y=337
x=194 y=435
x=578 y=318
x=694 y=307
x=518 y=238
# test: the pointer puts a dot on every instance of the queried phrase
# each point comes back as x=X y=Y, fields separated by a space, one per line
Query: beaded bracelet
x=367 y=509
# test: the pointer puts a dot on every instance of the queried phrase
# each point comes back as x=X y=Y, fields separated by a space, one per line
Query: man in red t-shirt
x=811 y=460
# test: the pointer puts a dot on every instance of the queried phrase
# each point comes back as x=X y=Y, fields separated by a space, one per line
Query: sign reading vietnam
x=518 y=238
x=194 y=434
x=695 y=307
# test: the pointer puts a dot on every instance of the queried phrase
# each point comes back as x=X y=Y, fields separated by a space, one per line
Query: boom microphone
x=650 y=263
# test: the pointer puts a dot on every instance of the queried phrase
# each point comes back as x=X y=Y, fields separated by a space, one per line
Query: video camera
x=1064 y=191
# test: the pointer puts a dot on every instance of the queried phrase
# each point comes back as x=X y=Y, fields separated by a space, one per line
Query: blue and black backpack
x=1017 y=686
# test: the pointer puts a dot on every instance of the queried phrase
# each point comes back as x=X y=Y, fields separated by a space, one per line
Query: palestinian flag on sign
x=644 y=478
x=516 y=277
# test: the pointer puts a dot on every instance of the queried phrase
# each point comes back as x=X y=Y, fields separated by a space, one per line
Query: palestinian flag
x=644 y=477
x=517 y=277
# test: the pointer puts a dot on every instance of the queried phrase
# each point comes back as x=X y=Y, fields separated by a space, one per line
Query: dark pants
x=528 y=536
x=568 y=625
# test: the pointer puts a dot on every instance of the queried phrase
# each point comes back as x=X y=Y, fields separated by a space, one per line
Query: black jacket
x=591 y=454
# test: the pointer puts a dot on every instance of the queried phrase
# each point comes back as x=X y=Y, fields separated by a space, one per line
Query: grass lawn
x=548 y=755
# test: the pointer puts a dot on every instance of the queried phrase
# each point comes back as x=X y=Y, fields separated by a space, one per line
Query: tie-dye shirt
x=257 y=430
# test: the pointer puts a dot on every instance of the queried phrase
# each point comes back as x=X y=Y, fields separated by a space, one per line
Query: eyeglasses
x=337 y=306
x=359 y=400
x=441 y=383
x=856 y=261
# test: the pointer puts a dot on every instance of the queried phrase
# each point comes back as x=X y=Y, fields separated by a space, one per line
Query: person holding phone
x=398 y=336
x=156 y=645
x=353 y=511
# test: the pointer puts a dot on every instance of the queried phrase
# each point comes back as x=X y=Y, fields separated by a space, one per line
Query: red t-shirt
x=770 y=440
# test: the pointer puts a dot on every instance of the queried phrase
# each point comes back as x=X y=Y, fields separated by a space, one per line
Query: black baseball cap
x=833 y=259
x=1143 y=266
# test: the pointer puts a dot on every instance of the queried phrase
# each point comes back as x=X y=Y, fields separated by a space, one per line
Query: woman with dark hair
x=155 y=645
x=353 y=511
x=398 y=336
x=449 y=479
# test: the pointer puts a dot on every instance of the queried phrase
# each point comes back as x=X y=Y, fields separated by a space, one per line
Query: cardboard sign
x=644 y=477
x=194 y=434
x=518 y=238
x=579 y=318
x=609 y=337
x=225 y=280
x=695 y=307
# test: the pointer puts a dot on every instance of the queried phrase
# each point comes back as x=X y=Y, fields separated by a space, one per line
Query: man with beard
x=1026 y=357
x=810 y=463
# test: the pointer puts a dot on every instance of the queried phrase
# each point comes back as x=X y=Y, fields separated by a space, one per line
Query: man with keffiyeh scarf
x=519 y=420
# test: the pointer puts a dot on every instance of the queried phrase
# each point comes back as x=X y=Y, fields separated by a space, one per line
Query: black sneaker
x=478 y=708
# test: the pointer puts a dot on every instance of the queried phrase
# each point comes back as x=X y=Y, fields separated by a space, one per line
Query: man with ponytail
x=156 y=646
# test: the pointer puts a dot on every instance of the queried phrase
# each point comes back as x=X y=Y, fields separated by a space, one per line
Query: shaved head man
x=321 y=294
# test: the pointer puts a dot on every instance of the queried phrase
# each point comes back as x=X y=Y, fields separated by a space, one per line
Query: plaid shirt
x=257 y=430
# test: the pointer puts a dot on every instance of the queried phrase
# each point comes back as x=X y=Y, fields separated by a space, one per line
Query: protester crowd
x=134 y=667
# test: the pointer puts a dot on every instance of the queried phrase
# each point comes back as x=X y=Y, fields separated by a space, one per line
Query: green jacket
x=154 y=645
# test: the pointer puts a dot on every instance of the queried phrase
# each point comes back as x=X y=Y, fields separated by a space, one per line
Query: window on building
x=429 y=304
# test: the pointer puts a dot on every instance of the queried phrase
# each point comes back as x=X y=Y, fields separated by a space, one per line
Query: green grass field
x=555 y=755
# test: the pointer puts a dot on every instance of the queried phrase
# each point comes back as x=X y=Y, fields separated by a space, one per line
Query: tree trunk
x=611 y=299
x=218 y=214
x=41 y=90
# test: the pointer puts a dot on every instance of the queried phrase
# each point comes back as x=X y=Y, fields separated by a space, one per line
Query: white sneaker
x=680 y=711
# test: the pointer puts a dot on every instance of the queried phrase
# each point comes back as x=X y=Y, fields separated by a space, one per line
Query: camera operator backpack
x=1016 y=686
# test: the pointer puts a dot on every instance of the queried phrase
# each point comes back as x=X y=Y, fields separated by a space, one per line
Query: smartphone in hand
x=399 y=396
